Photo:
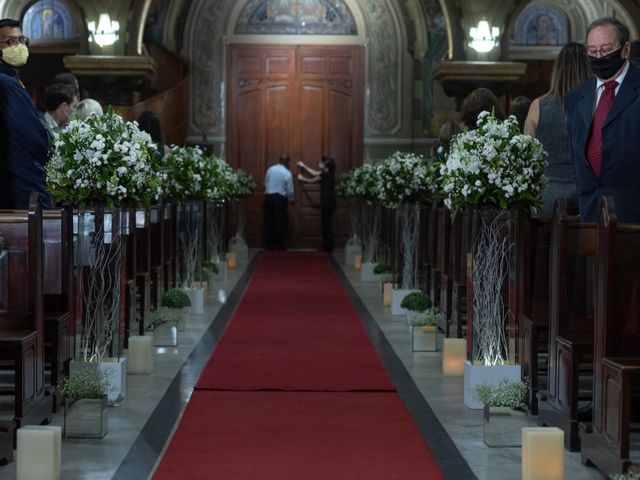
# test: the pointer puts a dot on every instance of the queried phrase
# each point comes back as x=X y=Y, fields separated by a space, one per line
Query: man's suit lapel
x=586 y=107
x=625 y=96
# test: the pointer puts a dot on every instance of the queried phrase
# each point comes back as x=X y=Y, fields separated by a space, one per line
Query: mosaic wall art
x=542 y=25
x=296 y=17
x=48 y=20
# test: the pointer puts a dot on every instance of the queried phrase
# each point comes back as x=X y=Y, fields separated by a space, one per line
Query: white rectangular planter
x=196 y=295
x=114 y=372
x=366 y=272
x=475 y=375
x=396 y=299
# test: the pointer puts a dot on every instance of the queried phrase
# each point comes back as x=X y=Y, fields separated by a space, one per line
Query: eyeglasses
x=13 y=41
x=602 y=52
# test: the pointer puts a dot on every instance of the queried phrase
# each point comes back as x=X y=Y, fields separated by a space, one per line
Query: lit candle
x=140 y=357
x=357 y=263
x=38 y=452
x=454 y=354
x=542 y=453
x=386 y=294
x=231 y=259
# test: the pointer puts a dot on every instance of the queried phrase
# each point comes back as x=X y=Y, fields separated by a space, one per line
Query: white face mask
x=15 y=55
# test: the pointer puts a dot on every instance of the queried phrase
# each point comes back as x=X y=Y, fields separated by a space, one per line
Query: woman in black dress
x=326 y=178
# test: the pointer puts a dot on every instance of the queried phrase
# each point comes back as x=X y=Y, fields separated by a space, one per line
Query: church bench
x=533 y=300
x=616 y=402
x=446 y=240
x=430 y=241
x=571 y=316
x=441 y=222
x=58 y=288
x=168 y=245
x=143 y=265
x=128 y=283
x=156 y=254
x=21 y=314
x=459 y=251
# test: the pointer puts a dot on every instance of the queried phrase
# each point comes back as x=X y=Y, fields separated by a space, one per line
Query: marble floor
x=140 y=427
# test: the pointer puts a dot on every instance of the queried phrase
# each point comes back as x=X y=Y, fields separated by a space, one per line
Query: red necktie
x=594 y=147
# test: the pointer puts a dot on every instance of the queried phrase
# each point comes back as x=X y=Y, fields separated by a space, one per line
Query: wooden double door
x=305 y=101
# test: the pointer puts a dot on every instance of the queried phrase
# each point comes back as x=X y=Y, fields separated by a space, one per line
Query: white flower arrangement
x=221 y=181
x=184 y=173
x=103 y=160
x=405 y=178
x=245 y=186
x=366 y=183
x=496 y=164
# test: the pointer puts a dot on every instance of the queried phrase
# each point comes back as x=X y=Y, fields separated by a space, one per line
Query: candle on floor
x=231 y=259
x=357 y=263
x=542 y=453
x=38 y=452
x=386 y=294
x=140 y=357
x=454 y=354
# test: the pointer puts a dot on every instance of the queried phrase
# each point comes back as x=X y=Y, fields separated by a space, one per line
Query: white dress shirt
x=278 y=179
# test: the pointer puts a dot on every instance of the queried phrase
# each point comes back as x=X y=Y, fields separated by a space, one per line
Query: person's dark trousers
x=275 y=221
x=326 y=217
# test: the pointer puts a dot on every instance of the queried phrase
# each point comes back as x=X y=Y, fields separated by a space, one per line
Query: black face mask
x=607 y=66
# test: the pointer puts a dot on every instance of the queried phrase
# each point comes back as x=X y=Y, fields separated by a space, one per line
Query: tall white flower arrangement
x=496 y=164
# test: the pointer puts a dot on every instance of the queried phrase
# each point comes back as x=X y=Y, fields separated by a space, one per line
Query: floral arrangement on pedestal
x=245 y=187
x=406 y=179
x=498 y=166
x=365 y=183
x=101 y=162
x=345 y=189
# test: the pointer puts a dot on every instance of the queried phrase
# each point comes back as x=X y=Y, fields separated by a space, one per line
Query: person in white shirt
x=61 y=100
x=278 y=191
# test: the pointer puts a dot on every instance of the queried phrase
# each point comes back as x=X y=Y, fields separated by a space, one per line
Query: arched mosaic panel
x=296 y=17
x=542 y=25
x=48 y=20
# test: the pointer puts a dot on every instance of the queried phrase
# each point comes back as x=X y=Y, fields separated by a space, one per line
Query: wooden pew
x=169 y=245
x=571 y=287
x=458 y=257
x=157 y=262
x=21 y=314
x=440 y=221
x=143 y=266
x=533 y=299
x=128 y=283
x=59 y=296
x=606 y=441
x=446 y=249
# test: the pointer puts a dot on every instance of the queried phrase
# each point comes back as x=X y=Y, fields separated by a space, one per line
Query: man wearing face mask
x=61 y=100
x=603 y=119
x=23 y=140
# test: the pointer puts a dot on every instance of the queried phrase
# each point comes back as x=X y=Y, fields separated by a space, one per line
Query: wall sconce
x=483 y=37
x=107 y=31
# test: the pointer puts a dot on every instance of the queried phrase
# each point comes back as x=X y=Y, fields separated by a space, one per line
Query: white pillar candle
x=386 y=294
x=357 y=262
x=231 y=259
x=454 y=354
x=38 y=453
x=140 y=358
x=542 y=453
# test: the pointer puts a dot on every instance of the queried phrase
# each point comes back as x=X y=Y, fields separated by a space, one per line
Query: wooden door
x=302 y=100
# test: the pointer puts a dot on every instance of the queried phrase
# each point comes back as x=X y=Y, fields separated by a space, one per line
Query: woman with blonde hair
x=546 y=121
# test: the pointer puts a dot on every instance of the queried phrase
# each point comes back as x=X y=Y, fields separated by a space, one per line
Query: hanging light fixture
x=483 y=37
x=106 y=32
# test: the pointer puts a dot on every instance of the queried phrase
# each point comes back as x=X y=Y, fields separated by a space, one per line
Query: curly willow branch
x=190 y=239
x=371 y=231
x=102 y=292
x=410 y=219
x=489 y=272
x=215 y=229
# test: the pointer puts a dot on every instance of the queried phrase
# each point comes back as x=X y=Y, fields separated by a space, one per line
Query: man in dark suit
x=603 y=119
x=24 y=146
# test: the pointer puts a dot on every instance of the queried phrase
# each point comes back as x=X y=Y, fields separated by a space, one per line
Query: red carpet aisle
x=295 y=390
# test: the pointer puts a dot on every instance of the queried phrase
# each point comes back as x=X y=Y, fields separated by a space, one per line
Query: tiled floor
x=138 y=429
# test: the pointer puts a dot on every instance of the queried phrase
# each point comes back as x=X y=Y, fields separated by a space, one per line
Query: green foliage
x=201 y=275
x=84 y=383
x=624 y=476
x=381 y=268
x=416 y=302
x=158 y=317
x=211 y=266
x=175 y=298
x=430 y=318
x=506 y=393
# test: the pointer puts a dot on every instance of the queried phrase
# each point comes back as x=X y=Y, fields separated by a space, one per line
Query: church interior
x=225 y=386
